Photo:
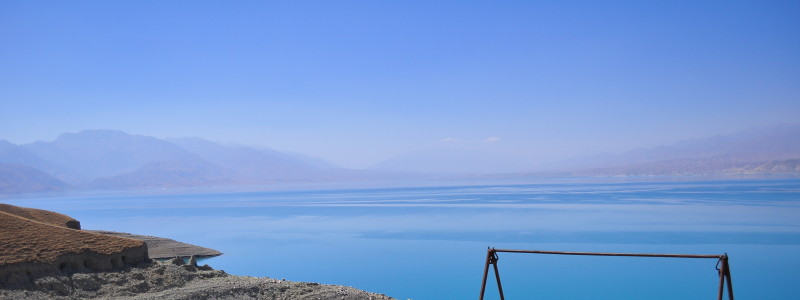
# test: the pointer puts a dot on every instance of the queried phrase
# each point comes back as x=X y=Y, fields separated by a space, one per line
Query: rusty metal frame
x=722 y=266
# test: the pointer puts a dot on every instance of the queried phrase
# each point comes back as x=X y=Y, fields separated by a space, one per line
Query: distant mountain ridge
x=15 y=178
x=79 y=158
x=768 y=150
x=756 y=151
x=451 y=161
x=110 y=160
x=107 y=159
x=251 y=163
x=13 y=154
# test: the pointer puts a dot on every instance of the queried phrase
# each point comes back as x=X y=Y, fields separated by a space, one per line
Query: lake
x=429 y=241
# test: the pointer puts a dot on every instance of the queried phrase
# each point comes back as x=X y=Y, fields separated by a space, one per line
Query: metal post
x=727 y=268
x=724 y=277
x=497 y=275
x=491 y=258
x=489 y=254
x=721 y=278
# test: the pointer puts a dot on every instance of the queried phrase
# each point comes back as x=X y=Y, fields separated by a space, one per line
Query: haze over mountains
x=106 y=159
x=110 y=160
x=771 y=150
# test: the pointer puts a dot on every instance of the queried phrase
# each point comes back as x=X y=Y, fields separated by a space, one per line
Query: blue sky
x=357 y=82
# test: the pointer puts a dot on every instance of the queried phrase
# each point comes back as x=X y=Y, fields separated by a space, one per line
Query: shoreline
x=45 y=255
x=164 y=248
x=175 y=279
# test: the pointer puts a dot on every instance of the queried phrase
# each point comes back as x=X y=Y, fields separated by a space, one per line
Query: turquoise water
x=430 y=242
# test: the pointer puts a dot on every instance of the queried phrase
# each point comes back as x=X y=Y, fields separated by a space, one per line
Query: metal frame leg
x=491 y=258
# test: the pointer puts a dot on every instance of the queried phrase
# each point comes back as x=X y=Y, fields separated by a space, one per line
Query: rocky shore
x=176 y=280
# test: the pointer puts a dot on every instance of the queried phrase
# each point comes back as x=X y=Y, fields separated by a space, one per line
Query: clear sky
x=357 y=82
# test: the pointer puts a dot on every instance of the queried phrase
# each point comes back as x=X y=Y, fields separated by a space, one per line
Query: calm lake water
x=430 y=242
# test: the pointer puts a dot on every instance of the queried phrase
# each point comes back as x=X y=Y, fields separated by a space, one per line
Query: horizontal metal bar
x=717 y=256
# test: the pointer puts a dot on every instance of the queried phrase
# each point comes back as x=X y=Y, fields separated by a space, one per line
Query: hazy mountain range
x=106 y=159
x=770 y=150
x=109 y=160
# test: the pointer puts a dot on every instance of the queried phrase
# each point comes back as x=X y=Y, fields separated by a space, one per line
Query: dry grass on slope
x=27 y=240
x=44 y=216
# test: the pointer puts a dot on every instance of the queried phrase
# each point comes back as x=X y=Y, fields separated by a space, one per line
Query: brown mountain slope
x=44 y=216
x=26 y=240
x=30 y=248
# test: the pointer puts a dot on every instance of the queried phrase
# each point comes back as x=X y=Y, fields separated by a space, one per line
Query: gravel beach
x=176 y=280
